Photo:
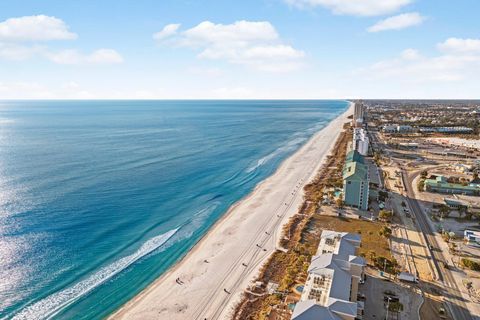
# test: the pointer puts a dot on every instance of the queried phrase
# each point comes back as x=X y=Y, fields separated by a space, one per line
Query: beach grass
x=369 y=231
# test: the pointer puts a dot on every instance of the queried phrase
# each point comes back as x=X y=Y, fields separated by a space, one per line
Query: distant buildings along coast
x=355 y=172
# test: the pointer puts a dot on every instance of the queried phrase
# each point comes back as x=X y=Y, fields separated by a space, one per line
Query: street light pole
x=388 y=307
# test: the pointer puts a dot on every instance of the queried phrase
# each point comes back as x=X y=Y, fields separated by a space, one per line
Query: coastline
x=247 y=233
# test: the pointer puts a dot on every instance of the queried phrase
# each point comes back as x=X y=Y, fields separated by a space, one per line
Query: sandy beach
x=219 y=268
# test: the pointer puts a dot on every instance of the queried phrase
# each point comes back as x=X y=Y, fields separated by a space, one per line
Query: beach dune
x=208 y=282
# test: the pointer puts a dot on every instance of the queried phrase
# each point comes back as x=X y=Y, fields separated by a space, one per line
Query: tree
x=389 y=265
x=385 y=215
x=340 y=203
x=421 y=185
x=331 y=194
x=462 y=211
x=395 y=306
x=444 y=211
x=475 y=175
x=424 y=174
x=385 y=231
x=382 y=195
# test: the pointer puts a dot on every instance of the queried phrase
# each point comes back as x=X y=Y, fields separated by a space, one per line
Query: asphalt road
x=458 y=307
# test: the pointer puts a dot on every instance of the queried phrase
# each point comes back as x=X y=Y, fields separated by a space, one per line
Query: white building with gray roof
x=330 y=291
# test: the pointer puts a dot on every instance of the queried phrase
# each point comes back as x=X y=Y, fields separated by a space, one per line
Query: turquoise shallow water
x=99 y=198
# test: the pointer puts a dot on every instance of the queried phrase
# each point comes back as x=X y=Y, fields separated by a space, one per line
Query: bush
x=386 y=232
x=390 y=266
x=470 y=264
x=421 y=185
x=395 y=306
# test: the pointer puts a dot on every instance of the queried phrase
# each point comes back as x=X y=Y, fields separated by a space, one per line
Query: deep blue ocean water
x=99 y=198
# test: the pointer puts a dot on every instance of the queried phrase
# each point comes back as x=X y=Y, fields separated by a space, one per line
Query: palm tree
x=444 y=211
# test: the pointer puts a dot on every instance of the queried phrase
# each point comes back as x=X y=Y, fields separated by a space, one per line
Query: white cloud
x=238 y=33
x=24 y=90
x=35 y=28
x=354 y=7
x=104 y=56
x=72 y=56
x=411 y=67
x=232 y=93
x=255 y=44
x=206 y=71
x=73 y=90
x=68 y=56
x=457 y=45
x=167 y=31
x=410 y=54
x=16 y=52
x=274 y=51
x=398 y=22
x=18 y=37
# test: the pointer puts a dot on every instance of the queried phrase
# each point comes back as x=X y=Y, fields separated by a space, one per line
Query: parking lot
x=378 y=291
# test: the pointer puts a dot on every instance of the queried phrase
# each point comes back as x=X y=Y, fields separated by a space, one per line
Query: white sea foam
x=292 y=144
x=52 y=304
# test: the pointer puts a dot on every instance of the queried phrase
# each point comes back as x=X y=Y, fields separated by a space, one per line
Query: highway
x=454 y=297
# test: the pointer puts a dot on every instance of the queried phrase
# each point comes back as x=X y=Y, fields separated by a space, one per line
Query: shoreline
x=230 y=254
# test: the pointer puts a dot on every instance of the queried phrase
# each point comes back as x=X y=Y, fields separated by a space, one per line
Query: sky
x=225 y=49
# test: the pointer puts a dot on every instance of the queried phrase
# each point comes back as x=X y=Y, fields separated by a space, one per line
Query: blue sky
x=239 y=49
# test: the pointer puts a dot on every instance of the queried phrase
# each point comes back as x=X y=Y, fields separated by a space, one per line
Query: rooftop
x=441 y=182
x=309 y=310
x=355 y=171
x=354 y=156
x=326 y=294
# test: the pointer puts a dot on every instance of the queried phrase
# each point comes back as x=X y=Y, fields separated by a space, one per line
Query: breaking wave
x=291 y=145
x=52 y=304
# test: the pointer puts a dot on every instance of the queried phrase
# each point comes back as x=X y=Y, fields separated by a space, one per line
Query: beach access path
x=208 y=282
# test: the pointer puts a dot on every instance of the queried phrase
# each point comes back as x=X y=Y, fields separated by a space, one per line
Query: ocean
x=99 y=198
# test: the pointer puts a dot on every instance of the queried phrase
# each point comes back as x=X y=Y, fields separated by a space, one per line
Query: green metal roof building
x=441 y=185
x=354 y=156
x=355 y=181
